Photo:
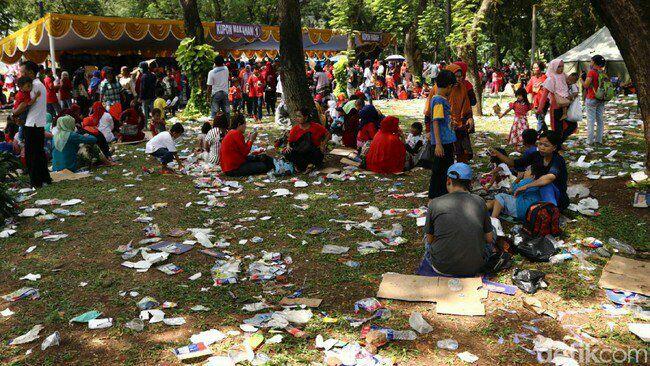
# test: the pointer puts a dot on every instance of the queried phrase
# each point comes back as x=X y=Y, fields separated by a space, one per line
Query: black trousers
x=302 y=159
x=254 y=165
x=270 y=98
x=438 y=182
x=35 y=156
x=102 y=144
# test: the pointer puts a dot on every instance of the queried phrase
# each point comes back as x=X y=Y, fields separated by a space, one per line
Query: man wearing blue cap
x=458 y=230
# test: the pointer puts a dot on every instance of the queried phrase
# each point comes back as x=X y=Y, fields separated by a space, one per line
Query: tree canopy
x=562 y=24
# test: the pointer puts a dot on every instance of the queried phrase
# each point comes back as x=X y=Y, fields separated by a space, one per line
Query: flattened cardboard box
x=436 y=289
x=622 y=273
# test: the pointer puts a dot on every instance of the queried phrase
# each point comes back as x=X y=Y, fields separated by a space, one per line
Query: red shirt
x=234 y=150
x=367 y=132
x=591 y=90
x=50 y=90
x=21 y=97
x=252 y=87
x=403 y=95
x=317 y=133
x=65 y=91
x=234 y=93
x=533 y=88
x=520 y=108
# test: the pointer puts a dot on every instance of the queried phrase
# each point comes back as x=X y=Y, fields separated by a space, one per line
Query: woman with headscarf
x=462 y=119
x=369 y=121
x=468 y=85
x=96 y=124
x=555 y=92
x=93 y=86
x=387 y=153
x=66 y=144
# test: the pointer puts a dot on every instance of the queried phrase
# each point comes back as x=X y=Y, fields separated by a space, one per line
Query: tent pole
x=52 y=56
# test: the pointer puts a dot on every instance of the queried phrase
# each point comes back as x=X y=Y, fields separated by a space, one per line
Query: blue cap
x=460 y=171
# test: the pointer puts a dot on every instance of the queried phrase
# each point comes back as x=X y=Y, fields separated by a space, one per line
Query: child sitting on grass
x=163 y=147
x=500 y=176
x=517 y=203
x=23 y=100
x=157 y=124
x=414 y=143
x=200 y=139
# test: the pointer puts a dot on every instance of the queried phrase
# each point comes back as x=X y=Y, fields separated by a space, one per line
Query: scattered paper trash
x=28 y=337
x=52 y=340
x=417 y=322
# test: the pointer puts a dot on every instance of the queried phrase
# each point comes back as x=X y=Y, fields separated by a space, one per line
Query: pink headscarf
x=556 y=83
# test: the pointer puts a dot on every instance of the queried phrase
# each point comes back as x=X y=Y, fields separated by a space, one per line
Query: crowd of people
x=54 y=115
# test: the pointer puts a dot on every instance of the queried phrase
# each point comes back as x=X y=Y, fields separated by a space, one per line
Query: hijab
x=387 y=153
x=91 y=122
x=555 y=83
x=96 y=79
x=463 y=69
x=458 y=99
x=64 y=127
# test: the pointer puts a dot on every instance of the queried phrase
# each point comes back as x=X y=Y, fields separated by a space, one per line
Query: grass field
x=82 y=272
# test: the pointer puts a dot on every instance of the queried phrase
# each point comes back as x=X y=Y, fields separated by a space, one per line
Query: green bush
x=196 y=61
x=9 y=166
x=341 y=76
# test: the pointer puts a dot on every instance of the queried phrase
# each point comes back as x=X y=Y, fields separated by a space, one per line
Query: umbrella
x=395 y=58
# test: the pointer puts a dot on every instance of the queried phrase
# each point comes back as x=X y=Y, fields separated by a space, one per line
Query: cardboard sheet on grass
x=435 y=289
x=66 y=174
x=622 y=273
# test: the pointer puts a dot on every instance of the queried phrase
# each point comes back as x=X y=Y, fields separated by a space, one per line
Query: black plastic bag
x=536 y=249
x=528 y=280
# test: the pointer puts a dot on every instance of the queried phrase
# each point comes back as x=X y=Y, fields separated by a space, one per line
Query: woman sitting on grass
x=387 y=153
x=66 y=144
x=307 y=142
x=235 y=157
x=98 y=124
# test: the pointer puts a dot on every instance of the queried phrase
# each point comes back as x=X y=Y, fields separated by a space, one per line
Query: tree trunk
x=467 y=53
x=192 y=21
x=351 y=48
x=632 y=41
x=218 y=13
x=292 y=60
x=447 y=29
x=412 y=52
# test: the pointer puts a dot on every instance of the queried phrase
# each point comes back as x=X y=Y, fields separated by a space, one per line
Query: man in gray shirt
x=458 y=229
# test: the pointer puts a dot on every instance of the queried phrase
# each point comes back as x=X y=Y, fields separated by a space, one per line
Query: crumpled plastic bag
x=536 y=249
x=528 y=280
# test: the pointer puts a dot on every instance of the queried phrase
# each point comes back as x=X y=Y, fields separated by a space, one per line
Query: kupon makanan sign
x=238 y=30
x=371 y=36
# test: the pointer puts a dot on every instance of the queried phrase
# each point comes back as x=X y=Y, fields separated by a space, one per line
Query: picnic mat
x=626 y=274
x=467 y=301
x=66 y=174
x=344 y=152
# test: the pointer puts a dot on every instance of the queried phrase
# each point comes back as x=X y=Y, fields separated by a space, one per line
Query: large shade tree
x=295 y=91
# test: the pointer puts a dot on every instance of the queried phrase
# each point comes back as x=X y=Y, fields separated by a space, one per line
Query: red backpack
x=542 y=219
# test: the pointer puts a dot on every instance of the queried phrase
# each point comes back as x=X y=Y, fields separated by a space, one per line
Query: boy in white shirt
x=163 y=147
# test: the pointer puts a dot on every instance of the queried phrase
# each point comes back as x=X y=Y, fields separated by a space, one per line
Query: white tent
x=599 y=43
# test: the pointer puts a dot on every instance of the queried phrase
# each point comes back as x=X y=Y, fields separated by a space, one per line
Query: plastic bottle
x=404 y=335
x=621 y=247
x=559 y=258
x=449 y=344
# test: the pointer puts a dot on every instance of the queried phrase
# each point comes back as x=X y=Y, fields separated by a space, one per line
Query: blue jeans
x=163 y=155
x=367 y=91
x=595 y=109
x=236 y=103
x=219 y=102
